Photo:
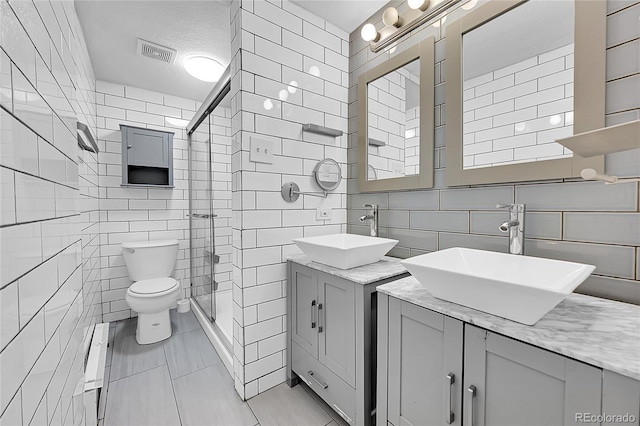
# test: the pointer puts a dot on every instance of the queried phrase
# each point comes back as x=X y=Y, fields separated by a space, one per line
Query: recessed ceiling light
x=203 y=68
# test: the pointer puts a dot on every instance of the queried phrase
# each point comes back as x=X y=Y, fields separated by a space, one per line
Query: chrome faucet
x=373 y=218
x=514 y=226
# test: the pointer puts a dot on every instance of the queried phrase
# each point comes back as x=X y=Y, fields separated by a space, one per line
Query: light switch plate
x=323 y=213
x=261 y=151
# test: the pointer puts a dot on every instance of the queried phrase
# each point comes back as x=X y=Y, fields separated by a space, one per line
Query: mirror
x=327 y=174
x=393 y=103
x=513 y=97
x=395 y=140
x=517 y=91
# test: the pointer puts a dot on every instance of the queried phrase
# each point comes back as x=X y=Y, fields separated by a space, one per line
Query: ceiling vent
x=155 y=51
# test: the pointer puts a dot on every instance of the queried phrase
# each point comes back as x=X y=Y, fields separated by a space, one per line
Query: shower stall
x=210 y=210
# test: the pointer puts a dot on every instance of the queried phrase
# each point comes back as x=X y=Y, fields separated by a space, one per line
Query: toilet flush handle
x=130 y=250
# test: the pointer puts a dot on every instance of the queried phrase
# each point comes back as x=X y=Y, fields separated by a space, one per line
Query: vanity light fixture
x=396 y=25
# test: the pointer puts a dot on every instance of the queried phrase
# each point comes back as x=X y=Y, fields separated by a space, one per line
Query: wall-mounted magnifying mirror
x=327 y=174
x=510 y=98
x=395 y=122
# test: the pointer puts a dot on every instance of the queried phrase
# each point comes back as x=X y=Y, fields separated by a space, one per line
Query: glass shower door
x=210 y=213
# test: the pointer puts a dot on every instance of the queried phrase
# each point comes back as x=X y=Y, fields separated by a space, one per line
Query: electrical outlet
x=261 y=151
x=323 y=213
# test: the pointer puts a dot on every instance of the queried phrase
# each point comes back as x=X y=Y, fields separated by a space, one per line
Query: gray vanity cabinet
x=324 y=320
x=519 y=384
x=331 y=336
x=424 y=366
x=424 y=355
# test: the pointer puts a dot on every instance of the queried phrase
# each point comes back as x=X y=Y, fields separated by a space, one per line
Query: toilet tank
x=150 y=259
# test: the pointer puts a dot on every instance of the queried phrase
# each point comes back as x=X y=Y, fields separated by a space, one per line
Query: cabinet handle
x=472 y=394
x=313 y=323
x=448 y=415
x=319 y=317
x=129 y=146
x=323 y=385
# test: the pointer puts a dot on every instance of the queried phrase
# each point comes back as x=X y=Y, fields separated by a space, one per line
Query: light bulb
x=283 y=95
x=293 y=87
x=369 y=33
x=390 y=17
x=469 y=5
x=418 y=4
x=267 y=104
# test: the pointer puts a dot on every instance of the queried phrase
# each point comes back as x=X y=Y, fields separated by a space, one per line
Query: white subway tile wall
x=49 y=253
x=140 y=214
x=294 y=70
x=516 y=113
x=573 y=220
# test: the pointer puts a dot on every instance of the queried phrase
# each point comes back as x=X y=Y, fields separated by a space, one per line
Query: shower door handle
x=313 y=323
x=202 y=216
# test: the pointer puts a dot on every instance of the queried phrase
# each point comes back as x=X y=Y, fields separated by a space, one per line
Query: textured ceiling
x=345 y=14
x=111 y=29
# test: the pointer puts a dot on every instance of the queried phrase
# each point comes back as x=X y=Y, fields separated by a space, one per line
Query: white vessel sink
x=519 y=288
x=345 y=251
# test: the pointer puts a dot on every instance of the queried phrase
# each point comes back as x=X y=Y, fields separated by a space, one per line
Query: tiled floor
x=182 y=381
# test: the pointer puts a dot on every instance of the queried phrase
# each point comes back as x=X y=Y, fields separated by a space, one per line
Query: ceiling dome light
x=369 y=33
x=203 y=68
x=419 y=4
x=390 y=17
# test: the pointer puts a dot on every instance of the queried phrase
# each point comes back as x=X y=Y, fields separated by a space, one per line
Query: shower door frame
x=215 y=97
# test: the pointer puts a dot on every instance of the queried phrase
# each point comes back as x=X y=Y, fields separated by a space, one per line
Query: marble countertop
x=388 y=267
x=596 y=331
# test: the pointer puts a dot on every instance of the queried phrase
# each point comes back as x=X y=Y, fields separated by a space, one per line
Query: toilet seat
x=154 y=287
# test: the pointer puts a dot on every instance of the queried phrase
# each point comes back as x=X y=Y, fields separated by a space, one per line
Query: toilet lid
x=155 y=285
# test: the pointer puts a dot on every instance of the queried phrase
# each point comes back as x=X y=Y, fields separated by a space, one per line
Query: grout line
x=173 y=390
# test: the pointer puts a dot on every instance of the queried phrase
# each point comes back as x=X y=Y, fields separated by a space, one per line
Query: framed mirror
x=520 y=75
x=327 y=174
x=396 y=120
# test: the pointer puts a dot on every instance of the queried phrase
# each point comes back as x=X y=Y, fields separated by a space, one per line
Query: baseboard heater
x=94 y=372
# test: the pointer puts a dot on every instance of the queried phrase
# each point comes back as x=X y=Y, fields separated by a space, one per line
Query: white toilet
x=150 y=265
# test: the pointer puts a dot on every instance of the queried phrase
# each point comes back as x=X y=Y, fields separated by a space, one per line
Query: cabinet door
x=620 y=399
x=424 y=366
x=304 y=320
x=336 y=326
x=518 y=384
x=148 y=148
